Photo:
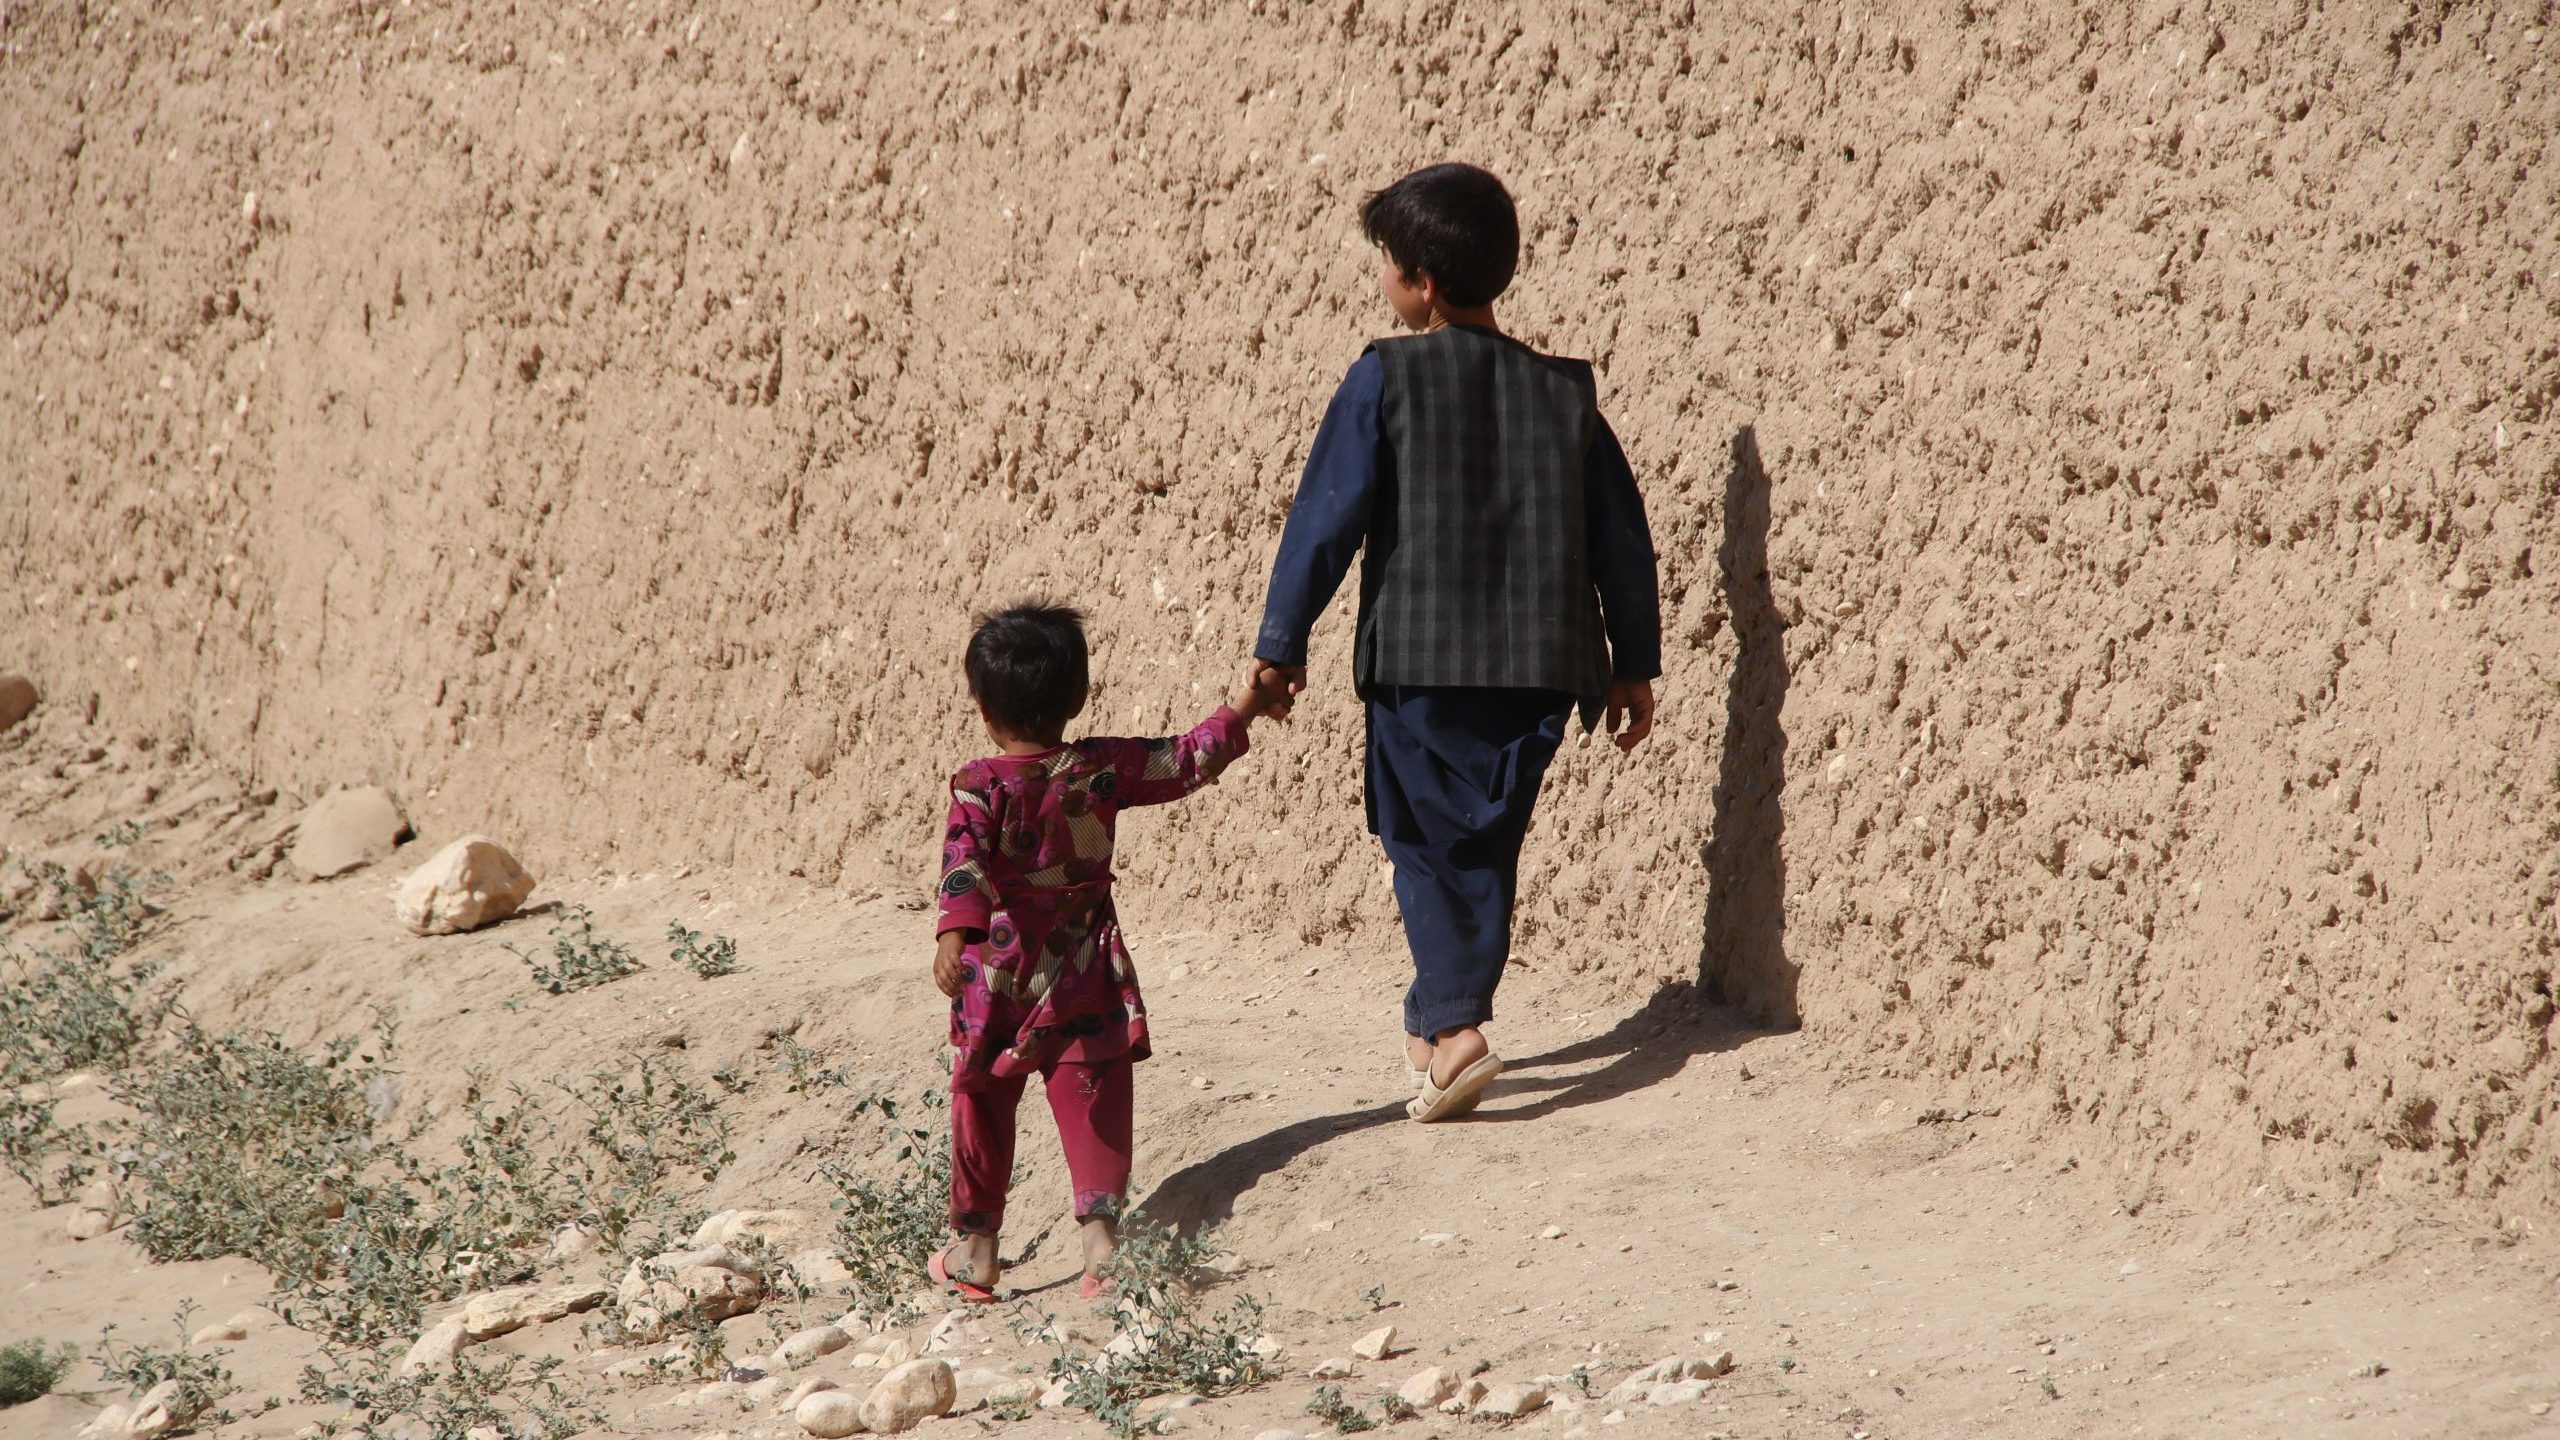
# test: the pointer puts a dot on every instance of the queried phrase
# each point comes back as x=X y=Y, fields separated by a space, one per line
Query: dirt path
x=1641 y=1177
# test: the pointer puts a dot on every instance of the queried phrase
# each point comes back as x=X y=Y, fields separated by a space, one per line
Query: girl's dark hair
x=1454 y=221
x=1026 y=665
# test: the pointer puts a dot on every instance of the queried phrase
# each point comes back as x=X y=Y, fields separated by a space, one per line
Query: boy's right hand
x=1270 y=690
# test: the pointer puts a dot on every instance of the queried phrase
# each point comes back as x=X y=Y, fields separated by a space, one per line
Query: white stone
x=1429 y=1388
x=1520 y=1397
x=463 y=886
x=500 y=1312
x=344 y=830
x=1677 y=1392
x=1334 y=1369
x=731 y=1226
x=1055 y=1397
x=909 y=1395
x=804 y=1390
x=441 y=1342
x=1470 y=1393
x=809 y=1344
x=88 y=1223
x=828 y=1413
x=1378 y=1344
x=571 y=1243
x=225 y=1333
x=820 y=1269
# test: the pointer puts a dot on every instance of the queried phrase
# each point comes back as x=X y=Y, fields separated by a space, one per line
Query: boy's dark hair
x=1452 y=220
x=1026 y=665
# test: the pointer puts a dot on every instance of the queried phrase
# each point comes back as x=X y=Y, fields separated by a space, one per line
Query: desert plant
x=203 y=1380
x=580 y=958
x=241 y=1144
x=510 y=1396
x=888 y=1228
x=709 y=959
x=1165 y=1344
x=29 y=1138
x=807 y=1076
x=1328 y=1407
x=28 y=1370
x=644 y=1128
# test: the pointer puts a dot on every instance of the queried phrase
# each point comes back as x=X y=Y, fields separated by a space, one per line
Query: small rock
x=1055 y=1397
x=441 y=1342
x=1552 y=1232
x=501 y=1312
x=1013 y=1391
x=88 y=1223
x=820 y=1269
x=109 y=1425
x=1429 y=1388
x=1470 y=1393
x=1676 y=1392
x=1334 y=1369
x=804 y=1390
x=226 y=1333
x=909 y=1395
x=829 y=1413
x=344 y=830
x=809 y=1344
x=161 y=1409
x=572 y=1243
x=467 y=884
x=894 y=1352
x=731 y=1226
x=1278 y=1435
x=1378 y=1344
x=1520 y=1397
x=1436 y=1237
x=2539 y=1407
x=17 y=700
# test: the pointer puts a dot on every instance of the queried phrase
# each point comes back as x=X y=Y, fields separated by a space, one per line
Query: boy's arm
x=1624 y=570
x=1329 y=519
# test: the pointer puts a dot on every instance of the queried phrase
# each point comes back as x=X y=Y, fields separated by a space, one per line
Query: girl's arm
x=1153 y=772
x=967 y=896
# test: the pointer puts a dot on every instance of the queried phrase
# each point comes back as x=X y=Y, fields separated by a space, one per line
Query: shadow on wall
x=1742 y=958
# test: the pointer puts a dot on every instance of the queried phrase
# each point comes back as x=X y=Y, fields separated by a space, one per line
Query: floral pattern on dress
x=1026 y=858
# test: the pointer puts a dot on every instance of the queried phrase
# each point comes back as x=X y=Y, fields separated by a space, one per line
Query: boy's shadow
x=1745 y=984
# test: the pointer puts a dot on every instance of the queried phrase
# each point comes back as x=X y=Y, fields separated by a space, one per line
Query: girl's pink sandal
x=1090 y=1287
x=939 y=1268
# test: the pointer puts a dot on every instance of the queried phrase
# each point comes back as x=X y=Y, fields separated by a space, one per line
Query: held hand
x=946 y=962
x=1270 y=690
x=1630 y=706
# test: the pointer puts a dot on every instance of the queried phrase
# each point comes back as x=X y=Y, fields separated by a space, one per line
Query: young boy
x=1508 y=578
x=1028 y=946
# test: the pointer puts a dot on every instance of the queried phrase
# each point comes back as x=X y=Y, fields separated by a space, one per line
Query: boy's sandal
x=1422 y=1079
x=939 y=1267
x=1437 y=1103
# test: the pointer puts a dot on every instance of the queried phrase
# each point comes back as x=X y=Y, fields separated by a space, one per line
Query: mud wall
x=2102 y=459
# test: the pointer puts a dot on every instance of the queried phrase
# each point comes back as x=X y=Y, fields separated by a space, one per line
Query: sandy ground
x=1891 y=1273
x=2101 y=460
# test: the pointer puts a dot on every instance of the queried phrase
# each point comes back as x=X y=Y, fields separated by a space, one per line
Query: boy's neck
x=1474 y=317
x=1017 y=749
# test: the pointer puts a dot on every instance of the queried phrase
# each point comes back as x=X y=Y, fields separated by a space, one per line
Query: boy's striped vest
x=1477 y=569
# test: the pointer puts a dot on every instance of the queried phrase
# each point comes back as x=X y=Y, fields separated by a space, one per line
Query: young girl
x=1029 y=947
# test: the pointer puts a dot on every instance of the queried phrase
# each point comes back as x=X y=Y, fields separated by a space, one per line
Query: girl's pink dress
x=1027 y=864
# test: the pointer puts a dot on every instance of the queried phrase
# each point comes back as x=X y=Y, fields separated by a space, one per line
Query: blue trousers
x=1453 y=776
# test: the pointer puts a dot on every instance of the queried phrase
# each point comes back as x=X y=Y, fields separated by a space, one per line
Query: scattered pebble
x=1429 y=1388
x=829 y=1414
x=1333 y=1369
x=1510 y=1402
x=1378 y=1344
x=909 y=1395
x=1552 y=1232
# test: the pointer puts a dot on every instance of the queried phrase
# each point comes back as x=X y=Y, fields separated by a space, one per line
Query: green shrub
x=580 y=958
x=1172 y=1346
x=203 y=1380
x=710 y=960
x=28 y=1370
x=510 y=1395
x=69 y=1011
x=887 y=1229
